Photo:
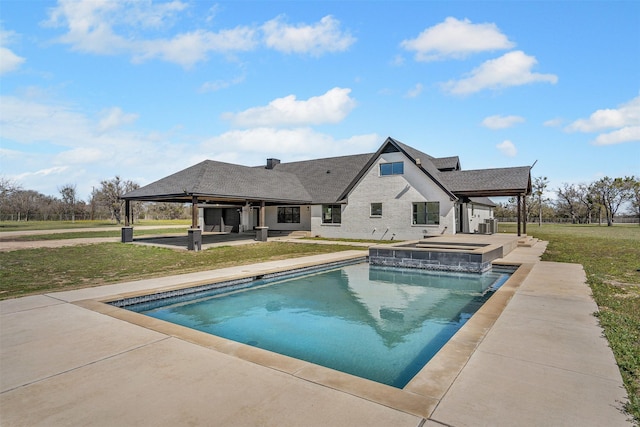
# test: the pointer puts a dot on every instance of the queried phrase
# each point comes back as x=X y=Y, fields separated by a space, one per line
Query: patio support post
x=194 y=240
x=127 y=212
x=194 y=212
x=524 y=214
x=262 y=231
x=519 y=210
x=126 y=235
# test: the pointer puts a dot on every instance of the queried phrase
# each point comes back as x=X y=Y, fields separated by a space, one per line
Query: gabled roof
x=445 y=164
x=489 y=182
x=326 y=179
x=420 y=159
x=218 y=180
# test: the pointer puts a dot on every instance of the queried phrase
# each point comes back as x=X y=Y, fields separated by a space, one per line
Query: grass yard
x=611 y=259
x=57 y=225
x=91 y=234
x=35 y=271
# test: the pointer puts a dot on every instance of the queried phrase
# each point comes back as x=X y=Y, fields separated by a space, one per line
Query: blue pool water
x=379 y=323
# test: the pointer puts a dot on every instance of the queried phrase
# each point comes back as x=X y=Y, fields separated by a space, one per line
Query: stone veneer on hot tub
x=441 y=256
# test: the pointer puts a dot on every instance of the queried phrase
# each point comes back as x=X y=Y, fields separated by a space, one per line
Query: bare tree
x=69 y=195
x=26 y=203
x=540 y=184
x=611 y=194
x=8 y=189
x=568 y=199
x=110 y=195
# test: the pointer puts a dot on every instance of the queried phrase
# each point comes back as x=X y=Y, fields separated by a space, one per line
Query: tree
x=611 y=194
x=8 y=189
x=26 y=203
x=110 y=195
x=68 y=194
x=540 y=184
x=568 y=200
x=588 y=201
x=634 y=192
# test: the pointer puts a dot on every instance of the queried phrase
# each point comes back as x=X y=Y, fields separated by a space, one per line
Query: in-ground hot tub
x=438 y=255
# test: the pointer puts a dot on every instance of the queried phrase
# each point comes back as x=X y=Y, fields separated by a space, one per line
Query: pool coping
x=419 y=397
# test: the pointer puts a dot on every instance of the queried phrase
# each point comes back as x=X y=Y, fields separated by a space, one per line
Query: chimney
x=271 y=163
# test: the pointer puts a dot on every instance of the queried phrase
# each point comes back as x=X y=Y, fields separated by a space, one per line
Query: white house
x=397 y=192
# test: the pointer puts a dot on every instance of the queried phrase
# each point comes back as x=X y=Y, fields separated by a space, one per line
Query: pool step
x=527 y=241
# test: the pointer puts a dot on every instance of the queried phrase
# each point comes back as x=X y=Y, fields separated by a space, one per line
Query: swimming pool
x=379 y=323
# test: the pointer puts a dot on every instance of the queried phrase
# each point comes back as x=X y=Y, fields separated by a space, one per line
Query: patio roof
x=489 y=182
x=217 y=181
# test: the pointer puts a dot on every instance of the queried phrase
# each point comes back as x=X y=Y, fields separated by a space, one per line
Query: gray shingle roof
x=489 y=182
x=447 y=163
x=483 y=201
x=326 y=179
x=224 y=180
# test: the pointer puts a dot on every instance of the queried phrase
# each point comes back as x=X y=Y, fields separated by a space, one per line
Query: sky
x=140 y=89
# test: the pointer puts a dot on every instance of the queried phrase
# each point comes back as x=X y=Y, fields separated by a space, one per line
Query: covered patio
x=239 y=194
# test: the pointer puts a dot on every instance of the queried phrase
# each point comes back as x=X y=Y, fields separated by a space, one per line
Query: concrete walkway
x=544 y=362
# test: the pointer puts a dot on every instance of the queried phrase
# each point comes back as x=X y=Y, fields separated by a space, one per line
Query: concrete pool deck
x=540 y=359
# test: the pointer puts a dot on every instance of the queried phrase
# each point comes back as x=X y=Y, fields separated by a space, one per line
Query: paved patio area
x=536 y=356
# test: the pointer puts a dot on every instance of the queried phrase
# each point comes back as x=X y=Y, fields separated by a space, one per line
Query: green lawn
x=91 y=234
x=35 y=271
x=611 y=259
x=57 y=225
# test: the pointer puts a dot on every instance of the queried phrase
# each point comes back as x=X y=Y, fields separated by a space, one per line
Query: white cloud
x=626 y=115
x=507 y=148
x=9 y=61
x=625 y=120
x=501 y=122
x=62 y=144
x=187 y=49
x=332 y=107
x=552 y=123
x=122 y=27
x=27 y=121
x=414 y=91
x=56 y=170
x=626 y=134
x=511 y=69
x=456 y=39
x=114 y=118
x=220 y=84
x=65 y=143
x=253 y=146
x=91 y=28
x=322 y=37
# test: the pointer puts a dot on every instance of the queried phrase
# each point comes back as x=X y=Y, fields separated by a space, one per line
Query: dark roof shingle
x=218 y=179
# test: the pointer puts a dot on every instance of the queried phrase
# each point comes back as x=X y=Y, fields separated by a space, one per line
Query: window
x=376 y=209
x=395 y=168
x=426 y=213
x=331 y=214
x=289 y=215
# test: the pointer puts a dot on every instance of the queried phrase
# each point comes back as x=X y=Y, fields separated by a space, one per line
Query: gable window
x=394 y=168
x=331 y=214
x=376 y=209
x=289 y=215
x=426 y=213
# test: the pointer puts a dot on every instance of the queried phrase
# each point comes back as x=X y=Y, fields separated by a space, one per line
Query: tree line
x=104 y=203
x=598 y=202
